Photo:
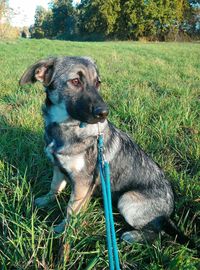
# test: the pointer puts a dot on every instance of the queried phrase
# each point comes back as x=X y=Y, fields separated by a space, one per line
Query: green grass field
x=153 y=92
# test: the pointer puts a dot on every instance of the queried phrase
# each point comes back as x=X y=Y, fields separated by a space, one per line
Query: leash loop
x=104 y=171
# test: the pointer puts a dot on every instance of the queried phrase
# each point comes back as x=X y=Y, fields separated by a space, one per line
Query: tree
x=37 y=31
x=4 y=11
x=25 y=32
x=131 y=19
x=151 y=18
x=170 y=16
x=6 y=30
x=193 y=20
x=63 y=17
x=98 y=17
x=47 y=25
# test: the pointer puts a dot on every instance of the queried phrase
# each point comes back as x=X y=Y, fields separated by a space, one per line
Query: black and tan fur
x=143 y=194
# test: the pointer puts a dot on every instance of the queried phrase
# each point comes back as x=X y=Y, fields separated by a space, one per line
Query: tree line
x=118 y=19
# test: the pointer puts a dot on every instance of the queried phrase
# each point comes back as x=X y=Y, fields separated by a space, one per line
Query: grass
x=153 y=94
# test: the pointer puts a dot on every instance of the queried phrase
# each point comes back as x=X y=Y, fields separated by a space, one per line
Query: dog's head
x=72 y=81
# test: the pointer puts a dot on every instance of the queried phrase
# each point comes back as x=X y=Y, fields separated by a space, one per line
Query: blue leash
x=104 y=171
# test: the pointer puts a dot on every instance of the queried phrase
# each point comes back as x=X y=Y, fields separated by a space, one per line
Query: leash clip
x=82 y=125
x=100 y=147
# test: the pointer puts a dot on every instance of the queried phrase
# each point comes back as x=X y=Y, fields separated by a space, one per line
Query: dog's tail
x=170 y=228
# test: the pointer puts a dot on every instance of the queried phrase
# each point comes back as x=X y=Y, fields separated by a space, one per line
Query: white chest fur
x=72 y=164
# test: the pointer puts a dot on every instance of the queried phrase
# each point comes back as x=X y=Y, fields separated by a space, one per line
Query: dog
x=143 y=195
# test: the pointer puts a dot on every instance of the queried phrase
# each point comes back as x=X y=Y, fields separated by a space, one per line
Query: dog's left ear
x=41 y=71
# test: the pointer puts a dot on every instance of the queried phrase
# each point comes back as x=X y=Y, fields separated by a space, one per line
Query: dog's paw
x=44 y=201
x=132 y=237
x=139 y=236
x=127 y=237
x=61 y=226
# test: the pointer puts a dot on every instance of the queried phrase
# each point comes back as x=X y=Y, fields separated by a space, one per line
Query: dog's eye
x=75 y=82
x=97 y=84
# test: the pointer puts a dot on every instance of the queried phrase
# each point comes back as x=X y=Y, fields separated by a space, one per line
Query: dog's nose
x=100 y=112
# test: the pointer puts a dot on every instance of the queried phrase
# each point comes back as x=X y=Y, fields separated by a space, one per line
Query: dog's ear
x=41 y=71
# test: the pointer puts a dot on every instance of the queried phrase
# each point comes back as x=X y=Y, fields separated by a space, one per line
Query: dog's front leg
x=57 y=185
x=79 y=199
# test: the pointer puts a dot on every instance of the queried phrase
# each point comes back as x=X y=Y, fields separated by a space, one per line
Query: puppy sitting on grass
x=143 y=194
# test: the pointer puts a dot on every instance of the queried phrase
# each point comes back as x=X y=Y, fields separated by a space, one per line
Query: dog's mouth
x=92 y=116
x=87 y=112
x=89 y=119
x=95 y=121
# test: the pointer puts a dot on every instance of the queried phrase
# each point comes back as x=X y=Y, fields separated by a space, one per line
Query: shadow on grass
x=22 y=151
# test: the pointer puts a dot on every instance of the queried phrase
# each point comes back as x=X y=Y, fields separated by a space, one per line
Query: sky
x=25 y=10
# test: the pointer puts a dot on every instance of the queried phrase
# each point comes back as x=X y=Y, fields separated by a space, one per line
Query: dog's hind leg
x=144 y=214
x=57 y=185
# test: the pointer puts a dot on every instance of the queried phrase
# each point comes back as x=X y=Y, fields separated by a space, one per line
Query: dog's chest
x=67 y=143
x=70 y=163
